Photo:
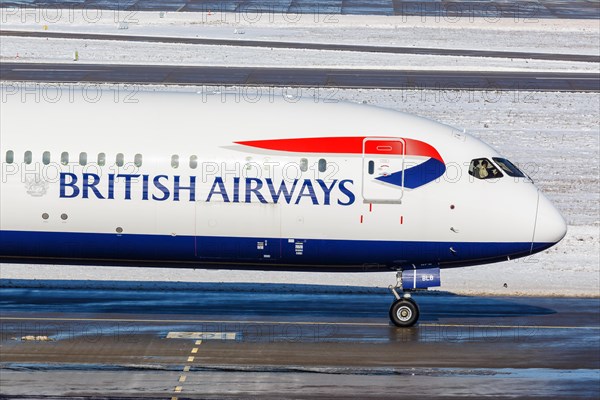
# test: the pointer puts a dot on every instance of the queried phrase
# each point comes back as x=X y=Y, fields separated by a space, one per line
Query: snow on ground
x=466 y=32
x=554 y=136
x=21 y=49
x=546 y=36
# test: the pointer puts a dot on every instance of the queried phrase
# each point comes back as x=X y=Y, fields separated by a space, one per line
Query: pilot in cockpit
x=483 y=169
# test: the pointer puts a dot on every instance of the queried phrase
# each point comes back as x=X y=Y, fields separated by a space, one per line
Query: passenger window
x=194 y=162
x=27 y=157
x=175 y=161
x=82 y=158
x=303 y=164
x=46 y=157
x=322 y=165
x=10 y=156
x=137 y=160
x=509 y=168
x=482 y=168
x=64 y=158
x=371 y=167
x=101 y=159
x=120 y=159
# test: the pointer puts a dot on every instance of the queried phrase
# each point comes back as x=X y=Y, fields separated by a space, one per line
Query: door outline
x=365 y=175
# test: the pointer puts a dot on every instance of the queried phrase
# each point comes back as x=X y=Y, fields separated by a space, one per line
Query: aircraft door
x=383 y=158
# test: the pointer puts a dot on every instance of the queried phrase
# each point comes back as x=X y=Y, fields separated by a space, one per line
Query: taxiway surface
x=292 y=341
x=299 y=77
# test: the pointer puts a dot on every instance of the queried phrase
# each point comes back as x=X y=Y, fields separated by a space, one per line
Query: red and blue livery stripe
x=414 y=176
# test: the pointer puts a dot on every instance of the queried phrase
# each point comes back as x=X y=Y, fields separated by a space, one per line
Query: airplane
x=211 y=181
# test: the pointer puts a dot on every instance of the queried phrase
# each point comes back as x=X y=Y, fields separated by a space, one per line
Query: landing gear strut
x=404 y=311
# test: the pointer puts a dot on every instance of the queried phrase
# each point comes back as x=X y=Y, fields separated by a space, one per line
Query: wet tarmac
x=518 y=10
x=292 y=341
x=301 y=77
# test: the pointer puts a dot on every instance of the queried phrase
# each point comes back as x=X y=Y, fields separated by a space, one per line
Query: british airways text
x=178 y=188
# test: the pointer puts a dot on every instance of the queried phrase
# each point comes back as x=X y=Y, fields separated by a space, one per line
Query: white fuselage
x=207 y=181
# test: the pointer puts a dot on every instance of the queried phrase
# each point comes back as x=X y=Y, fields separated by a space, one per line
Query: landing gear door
x=383 y=170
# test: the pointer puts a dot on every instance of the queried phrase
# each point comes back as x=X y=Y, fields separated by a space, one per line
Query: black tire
x=404 y=313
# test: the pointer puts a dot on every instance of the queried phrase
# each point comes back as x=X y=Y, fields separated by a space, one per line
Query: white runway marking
x=202 y=335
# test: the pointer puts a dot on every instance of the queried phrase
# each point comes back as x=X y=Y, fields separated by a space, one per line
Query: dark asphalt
x=311 y=46
x=519 y=10
x=299 y=77
x=293 y=341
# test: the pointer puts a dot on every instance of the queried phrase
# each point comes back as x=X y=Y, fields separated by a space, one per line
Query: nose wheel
x=404 y=312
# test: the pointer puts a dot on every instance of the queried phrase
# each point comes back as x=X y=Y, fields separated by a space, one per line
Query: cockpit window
x=509 y=168
x=482 y=168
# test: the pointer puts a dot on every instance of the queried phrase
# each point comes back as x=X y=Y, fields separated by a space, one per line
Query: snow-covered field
x=520 y=34
x=554 y=136
x=123 y=52
x=523 y=35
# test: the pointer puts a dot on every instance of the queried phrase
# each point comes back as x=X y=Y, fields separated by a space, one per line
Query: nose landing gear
x=404 y=311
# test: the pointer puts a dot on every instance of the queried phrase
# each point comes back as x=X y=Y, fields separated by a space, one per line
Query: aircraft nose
x=550 y=226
